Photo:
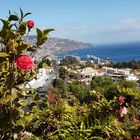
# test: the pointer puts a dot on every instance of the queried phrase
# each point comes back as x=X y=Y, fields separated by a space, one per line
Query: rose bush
x=16 y=68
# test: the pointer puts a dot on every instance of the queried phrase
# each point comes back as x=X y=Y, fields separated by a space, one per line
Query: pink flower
x=51 y=98
x=121 y=99
x=25 y=62
x=123 y=111
x=30 y=24
x=25 y=134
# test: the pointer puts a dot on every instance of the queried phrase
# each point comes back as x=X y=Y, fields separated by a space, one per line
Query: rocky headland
x=56 y=45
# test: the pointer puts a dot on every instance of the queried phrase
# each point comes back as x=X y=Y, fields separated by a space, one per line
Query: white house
x=88 y=72
x=124 y=71
x=42 y=77
x=132 y=77
x=111 y=70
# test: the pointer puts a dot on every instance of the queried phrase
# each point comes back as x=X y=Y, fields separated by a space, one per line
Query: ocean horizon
x=118 y=52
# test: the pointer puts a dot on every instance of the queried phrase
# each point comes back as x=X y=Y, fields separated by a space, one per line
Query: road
x=48 y=83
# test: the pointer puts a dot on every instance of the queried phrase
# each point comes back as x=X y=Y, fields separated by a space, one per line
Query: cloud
x=125 y=25
x=73 y=31
x=124 y=30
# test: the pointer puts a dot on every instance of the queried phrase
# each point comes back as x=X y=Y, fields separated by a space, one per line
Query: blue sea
x=116 y=52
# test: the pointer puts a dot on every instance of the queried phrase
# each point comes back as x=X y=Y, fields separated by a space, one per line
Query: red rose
x=24 y=62
x=121 y=99
x=30 y=24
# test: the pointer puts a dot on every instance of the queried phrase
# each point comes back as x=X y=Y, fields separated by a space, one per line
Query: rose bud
x=30 y=24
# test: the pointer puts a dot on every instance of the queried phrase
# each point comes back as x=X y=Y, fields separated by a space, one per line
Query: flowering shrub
x=16 y=68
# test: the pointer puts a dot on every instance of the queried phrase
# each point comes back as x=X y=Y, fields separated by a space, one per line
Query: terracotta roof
x=116 y=75
x=135 y=72
x=102 y=70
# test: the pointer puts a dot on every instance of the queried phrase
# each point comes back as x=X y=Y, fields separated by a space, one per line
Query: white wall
x=131 y=77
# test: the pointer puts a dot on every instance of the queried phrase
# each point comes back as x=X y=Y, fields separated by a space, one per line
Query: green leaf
x=26 y=14
x=3 y=54
x=22 y=28
x=23 y=103
x=21 y=13
x=11 y=34
x=2 y=59
x=24 y=120
x=13 y=17
x=8 y=98
x=22 y=47
x=39 y=36
x=21 y=112
x=5 y=23
x=46 y=31
x=14 y=93
x=36 y=97
x=21 y=121
x=31 y=49
x=29 y=117
x=9 y=12
x=39 y=32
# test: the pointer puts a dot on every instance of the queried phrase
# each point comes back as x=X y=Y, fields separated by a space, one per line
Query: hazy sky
x=94 y=21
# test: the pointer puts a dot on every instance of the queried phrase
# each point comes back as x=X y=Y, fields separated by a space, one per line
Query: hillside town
x=83 y=70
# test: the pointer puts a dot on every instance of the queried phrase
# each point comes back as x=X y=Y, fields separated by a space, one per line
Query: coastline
x=116 y=52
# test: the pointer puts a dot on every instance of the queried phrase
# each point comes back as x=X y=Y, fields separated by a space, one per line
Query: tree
x=60 y=84
x=129 y=84
x=82 y=94
x=101 y=83
x=63 y=73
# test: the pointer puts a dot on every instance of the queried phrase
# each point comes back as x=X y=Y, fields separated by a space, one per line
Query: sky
x=92 y=21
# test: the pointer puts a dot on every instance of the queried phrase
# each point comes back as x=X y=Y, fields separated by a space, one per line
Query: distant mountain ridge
x=57 y=45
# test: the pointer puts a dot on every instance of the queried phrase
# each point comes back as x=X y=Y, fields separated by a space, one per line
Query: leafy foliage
x=60 y=84
x=16 y=101
x=80 y=92
x=63 y=73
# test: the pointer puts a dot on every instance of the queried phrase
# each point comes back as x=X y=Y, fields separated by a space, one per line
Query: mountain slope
x=56 y=45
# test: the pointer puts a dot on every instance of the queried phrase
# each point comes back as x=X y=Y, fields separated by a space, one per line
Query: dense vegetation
x=93 y=112
x=17 y=103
